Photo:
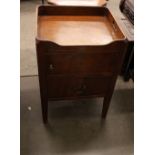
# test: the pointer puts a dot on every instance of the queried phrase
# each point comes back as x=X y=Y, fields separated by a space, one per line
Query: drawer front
x=66 y=86
x=82 y=63
x=93 y=86
x=61 y=86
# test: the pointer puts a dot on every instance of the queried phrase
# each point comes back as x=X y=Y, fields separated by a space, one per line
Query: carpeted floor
x=75 y=127
x=28 y=63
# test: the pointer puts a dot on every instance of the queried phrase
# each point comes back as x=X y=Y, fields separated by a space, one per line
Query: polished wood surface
x=77 y=30
x=76 y=86
x=78 y=2
x=78 y=56
x=89 y=62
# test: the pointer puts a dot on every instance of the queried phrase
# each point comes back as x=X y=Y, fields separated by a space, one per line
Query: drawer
x=67 y=86
x=82 y=63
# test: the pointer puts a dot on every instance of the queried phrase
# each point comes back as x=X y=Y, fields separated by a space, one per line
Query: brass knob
x=51 y=67
x=81 y=90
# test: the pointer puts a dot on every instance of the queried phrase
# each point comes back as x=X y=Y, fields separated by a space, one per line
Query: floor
x=75 y=127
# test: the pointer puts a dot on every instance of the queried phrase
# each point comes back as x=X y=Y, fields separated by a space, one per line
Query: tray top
x=78 y=2
x=77 y=30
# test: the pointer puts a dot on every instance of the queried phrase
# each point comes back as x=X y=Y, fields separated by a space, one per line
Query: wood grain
x=77 y=30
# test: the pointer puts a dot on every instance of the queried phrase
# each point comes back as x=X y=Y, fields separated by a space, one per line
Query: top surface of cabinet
x=69 y=28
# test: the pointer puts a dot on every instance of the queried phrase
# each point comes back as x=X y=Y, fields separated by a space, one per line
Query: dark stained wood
x=81 y=62
x=47 y=10
x=76 y=86
x=73 y=70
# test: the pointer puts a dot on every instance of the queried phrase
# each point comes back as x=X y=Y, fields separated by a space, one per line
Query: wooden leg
x=106 y=104
x=44 y=104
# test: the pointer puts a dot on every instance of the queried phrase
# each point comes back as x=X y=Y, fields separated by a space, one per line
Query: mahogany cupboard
x=80 y=51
